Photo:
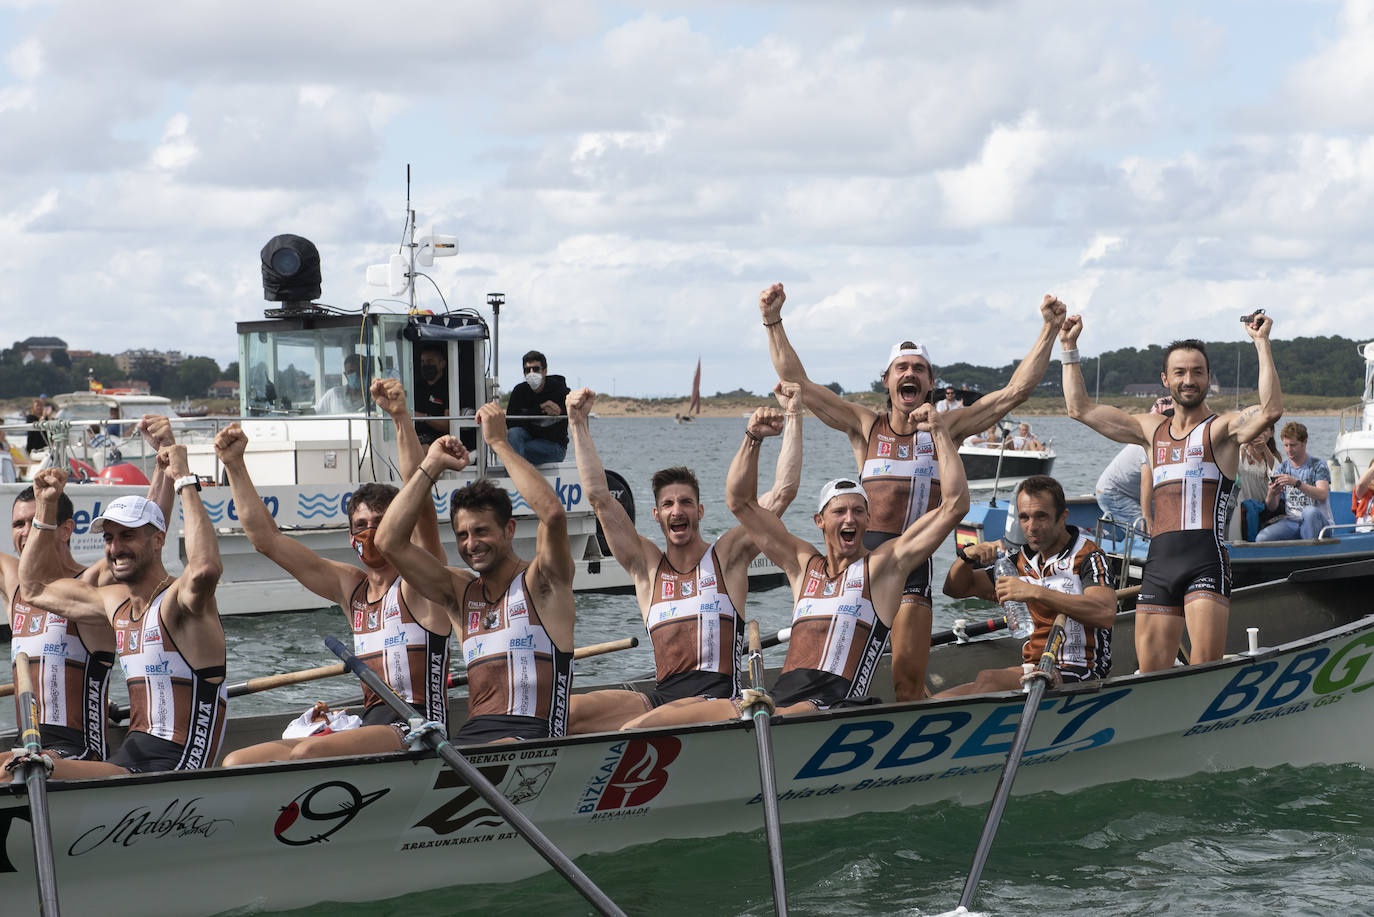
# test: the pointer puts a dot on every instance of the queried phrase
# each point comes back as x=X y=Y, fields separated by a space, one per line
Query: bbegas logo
x=325 y=808
x=640 y=774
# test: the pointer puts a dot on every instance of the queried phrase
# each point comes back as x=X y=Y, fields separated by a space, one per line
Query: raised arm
x=787 y=475
x=1111 y=422
x=418 y=567
x=553 y=553
x=967 y=580
x=157 y=430
x=854 y=420
x=1245 y=426
x=628 y=547
x=993 y=406
x=741 y=495
x=329 y=579
x=390 y=396
x=41 y=577
x=194 y=591
x=926 y=534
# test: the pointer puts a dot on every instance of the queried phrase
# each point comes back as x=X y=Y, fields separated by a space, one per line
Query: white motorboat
x=1355 y=442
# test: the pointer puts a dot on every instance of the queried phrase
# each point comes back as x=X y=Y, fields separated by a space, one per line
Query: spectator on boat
x=845 y=595
x=1258 y=457
x=990 y=438
x=39 y=410
x=167 y=629
x=111 y=428
x=1302 y=484
x=347 y=396
x=688 y=589
x=1023 y=439
x=897 y=463
x=1060 y=570
x=396 y=632
x=951 y=401
x=538 y=413
x=1124 y=488
x=1362 y=500
x=515 y=618
x=431 y=394
x=70 y=660
x=1193 y=457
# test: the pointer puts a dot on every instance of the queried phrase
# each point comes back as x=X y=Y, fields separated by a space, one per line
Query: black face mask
x=429 y=372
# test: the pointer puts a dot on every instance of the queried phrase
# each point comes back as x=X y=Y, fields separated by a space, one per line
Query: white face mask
x=534 y=379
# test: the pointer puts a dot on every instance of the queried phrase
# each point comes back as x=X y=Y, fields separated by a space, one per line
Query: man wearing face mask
x=431 y=394
x=543 y=437
x=346 y=397
x=398 y=633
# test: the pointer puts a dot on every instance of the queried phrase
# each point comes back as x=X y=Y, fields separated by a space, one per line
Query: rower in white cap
x=898 y=464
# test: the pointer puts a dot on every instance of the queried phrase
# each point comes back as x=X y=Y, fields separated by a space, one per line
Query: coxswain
x=845 y=596
x=1193 y=457
x=691 y=592
x=397 y=632
x=167 y=630
x=71 y=662
x=515 y=618
x=898 y=464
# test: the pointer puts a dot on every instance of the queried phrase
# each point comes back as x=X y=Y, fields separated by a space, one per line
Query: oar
x=1044 y=671
x=473 y=778
x=761 y=713
x=120 y=712
x=35 y=777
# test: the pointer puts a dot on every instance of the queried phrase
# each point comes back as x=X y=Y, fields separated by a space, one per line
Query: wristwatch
x=959 y=553
x=186 y=480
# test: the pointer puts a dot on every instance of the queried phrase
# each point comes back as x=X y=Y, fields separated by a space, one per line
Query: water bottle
x=1018 y=615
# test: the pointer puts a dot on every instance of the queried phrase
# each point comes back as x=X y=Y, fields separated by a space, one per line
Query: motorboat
x=1355 y=441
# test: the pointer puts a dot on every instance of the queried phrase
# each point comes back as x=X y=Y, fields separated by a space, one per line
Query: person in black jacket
x=538 y=439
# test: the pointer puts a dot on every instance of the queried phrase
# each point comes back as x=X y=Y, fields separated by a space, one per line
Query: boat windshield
x=303 y=371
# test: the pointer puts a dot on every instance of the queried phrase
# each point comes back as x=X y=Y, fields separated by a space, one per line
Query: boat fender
x=123 y=473
x=620 y=490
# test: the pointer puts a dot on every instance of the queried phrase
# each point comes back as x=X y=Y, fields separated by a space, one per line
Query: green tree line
x=190 y=379
x=1307 y=366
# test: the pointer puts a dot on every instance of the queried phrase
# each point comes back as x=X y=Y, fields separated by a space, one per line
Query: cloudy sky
x=630 y=174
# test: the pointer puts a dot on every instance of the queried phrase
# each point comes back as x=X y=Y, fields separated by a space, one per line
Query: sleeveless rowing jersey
x=834 y=626
x=167 y=698
x=1087 y=650
x=692 y=622
x=1190 y=490
x=71 y=681
x=514 y=669
x=900 y=476
x=409 y=658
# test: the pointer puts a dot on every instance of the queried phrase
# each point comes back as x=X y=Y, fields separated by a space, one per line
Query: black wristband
x=959 y=553
x=750 y=434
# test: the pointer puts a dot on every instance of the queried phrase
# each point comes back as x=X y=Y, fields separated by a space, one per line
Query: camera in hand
x=1250 y=319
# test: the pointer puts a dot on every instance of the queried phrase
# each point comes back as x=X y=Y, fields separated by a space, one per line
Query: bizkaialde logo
x=631 y=775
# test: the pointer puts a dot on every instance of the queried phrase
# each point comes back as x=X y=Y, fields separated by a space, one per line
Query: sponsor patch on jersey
x=1161 y=454
x=474 y=620
x=357 y=619
x=152 y=635
x=18 y=622
x=35 y=623
x=813 y=585
x=708 y=582
x=904 y=451
x=668 y=591
x=884 y=449
x=856 y=583
x=517 y=609
x=831 y=588
x=372 y=619
x=119 y=641
x=1175 y=455
x=391 y=611
x=925 y=448
x=687 y=588
x=133 y=641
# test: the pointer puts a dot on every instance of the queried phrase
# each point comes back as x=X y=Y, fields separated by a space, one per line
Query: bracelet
x=757 y=439
x=1069 y=356
x=432 y=479
x=959 y=553
x=43 y=526
x=791 y=413
x=771 y=324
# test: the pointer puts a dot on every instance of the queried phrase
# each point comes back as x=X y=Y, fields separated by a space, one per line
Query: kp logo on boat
x=632 y=774
x=320 y=811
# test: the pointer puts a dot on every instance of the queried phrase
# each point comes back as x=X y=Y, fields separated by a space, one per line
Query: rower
x=897 y=464
x=1061 y=571
x=73 y=660
x=846 y=598
x=515 y=618
x=167 y=630
x=690 y=592
x=1193 y=457
x=397 y=632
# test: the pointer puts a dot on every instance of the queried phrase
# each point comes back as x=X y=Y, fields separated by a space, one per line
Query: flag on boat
x=695 y=406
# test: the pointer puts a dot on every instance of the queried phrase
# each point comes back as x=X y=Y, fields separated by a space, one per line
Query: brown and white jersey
x=71 y=682
x=1190 y=490
x=835 y=628
x=403 y=653
x=514 y=669
x=693 y=624
x=900 y=476
x=1087 y=650
x=167 y=697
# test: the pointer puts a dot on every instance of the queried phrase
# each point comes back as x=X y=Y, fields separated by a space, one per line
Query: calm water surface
x=1290 y=841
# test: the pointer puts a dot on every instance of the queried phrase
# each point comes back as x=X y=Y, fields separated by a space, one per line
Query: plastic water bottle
x=1018 y=615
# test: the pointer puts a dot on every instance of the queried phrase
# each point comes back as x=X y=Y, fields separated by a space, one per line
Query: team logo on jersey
x=831 y=588
x=813 y=586
x=19 y=617
x=119 y=641
x=491 y=619
x=474 y=620
x=133 y=641
x=35 y=623
x=1161 y=454
x=372 y=619
x=1175 y=455
x=686 y=588
x=904 y=451
x=884 y=449
x=668 y=591
x=357 y=619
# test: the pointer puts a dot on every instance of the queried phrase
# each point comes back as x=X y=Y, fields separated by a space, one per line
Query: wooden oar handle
x=6 y=690
x=1127 y=592
x=755 y=644
x=610 y=646
x=267 y=682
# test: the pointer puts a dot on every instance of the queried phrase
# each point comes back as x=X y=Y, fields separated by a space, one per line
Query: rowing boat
x=379 y=826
